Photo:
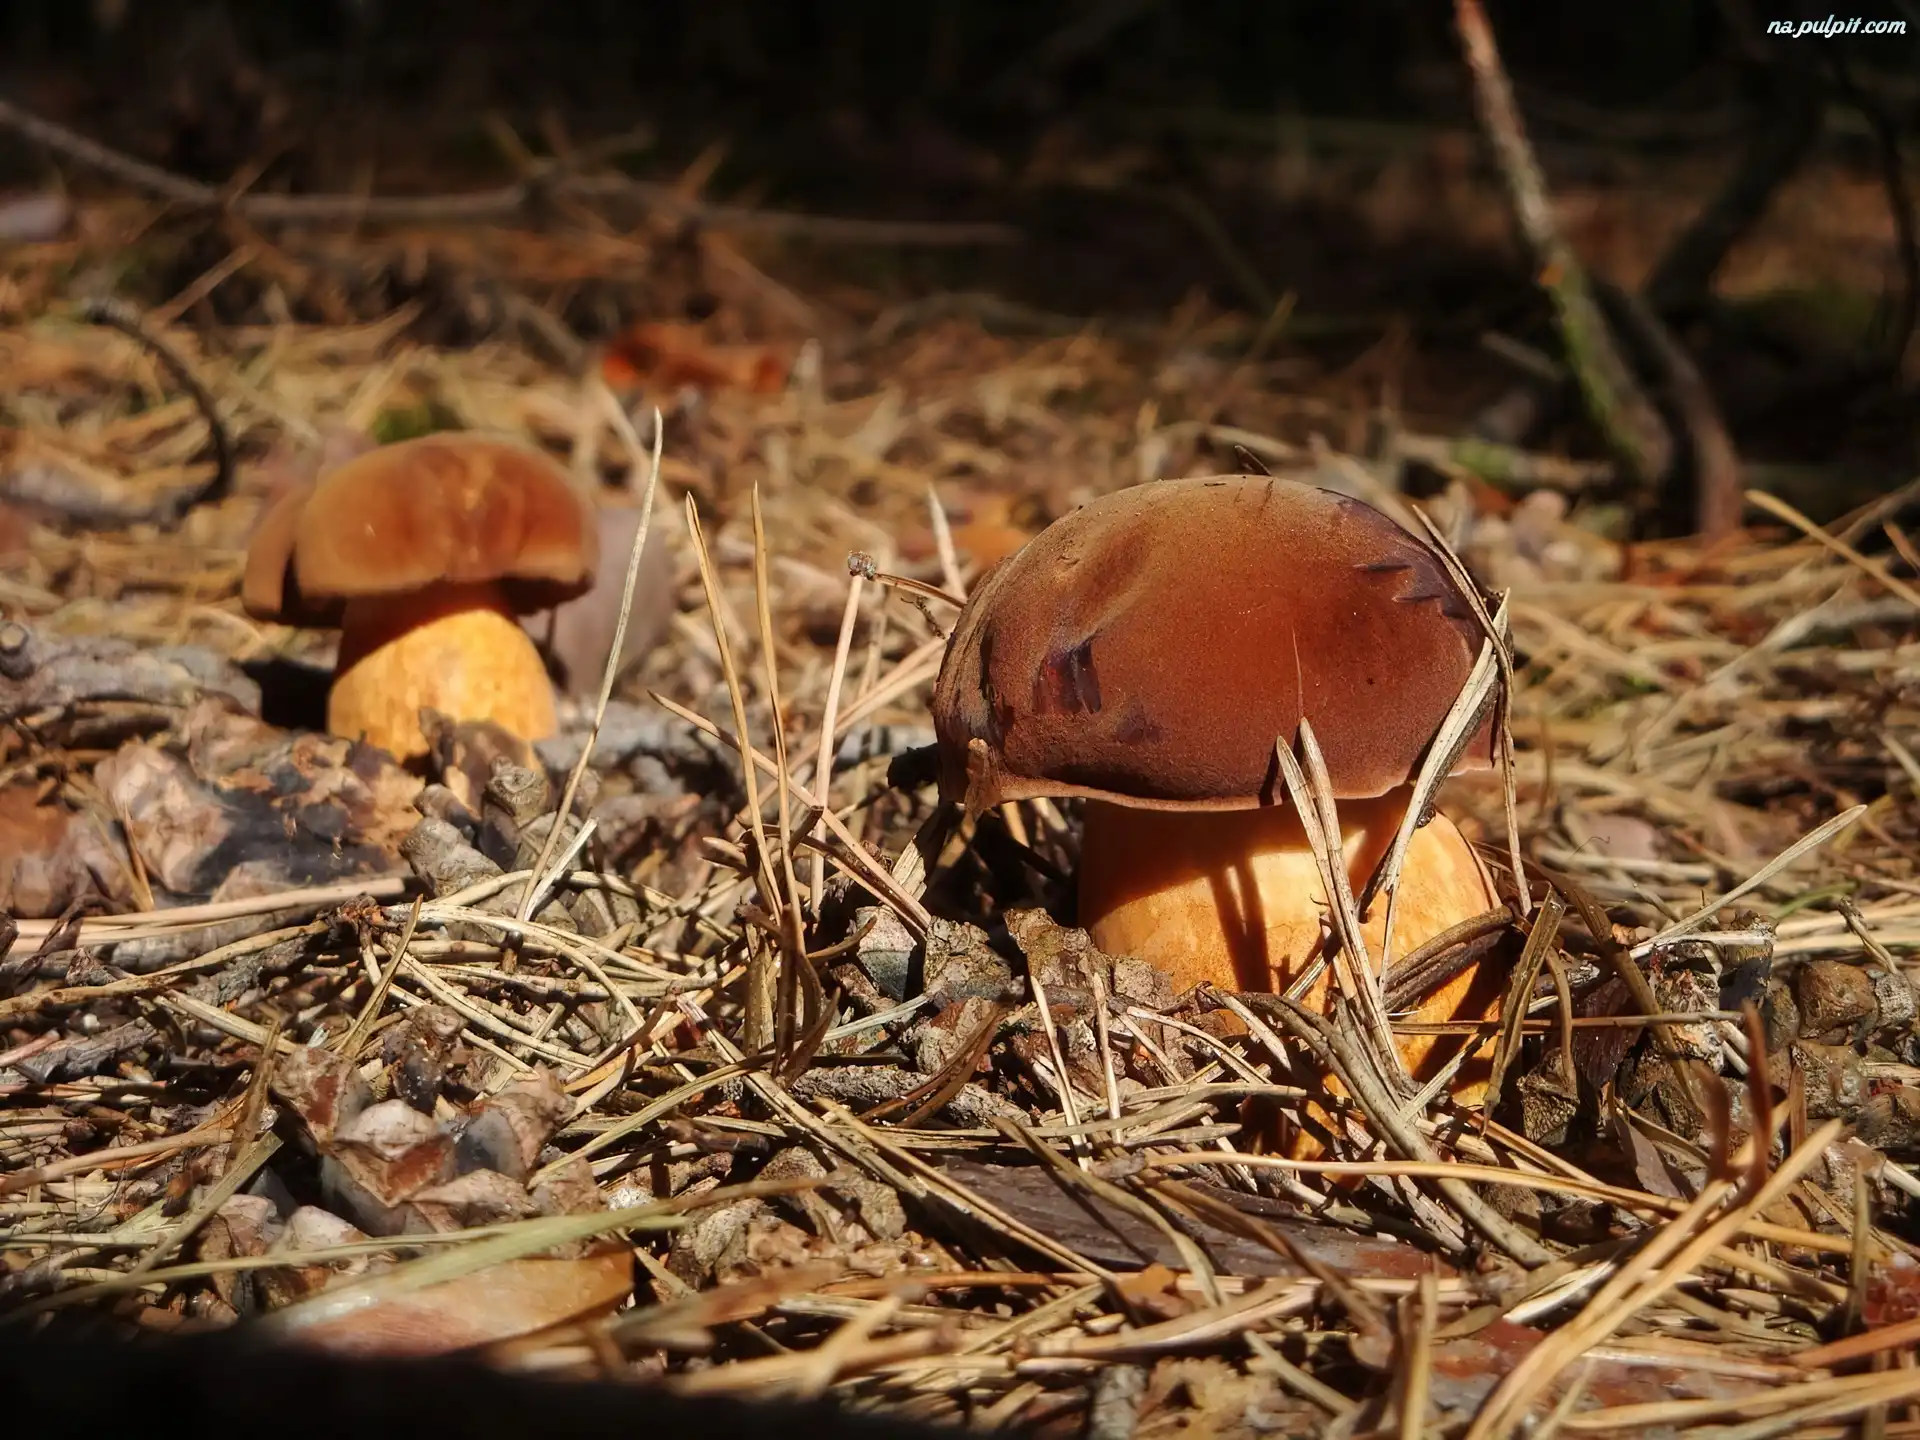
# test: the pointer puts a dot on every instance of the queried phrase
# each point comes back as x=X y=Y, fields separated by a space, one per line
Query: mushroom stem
x=456 y=648
x=1235 y=897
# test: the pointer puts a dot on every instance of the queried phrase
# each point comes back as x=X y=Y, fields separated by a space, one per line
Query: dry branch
x=1626 y=419
x=524 y=199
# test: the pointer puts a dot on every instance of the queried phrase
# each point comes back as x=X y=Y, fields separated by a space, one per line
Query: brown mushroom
x=423 y=553
x=1147 y=651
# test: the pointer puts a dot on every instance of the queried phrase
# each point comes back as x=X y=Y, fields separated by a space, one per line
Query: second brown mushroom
x=1146 y=652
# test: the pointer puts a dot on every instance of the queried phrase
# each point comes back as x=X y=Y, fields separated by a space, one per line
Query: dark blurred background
x=824 y=96
x=1152 y=153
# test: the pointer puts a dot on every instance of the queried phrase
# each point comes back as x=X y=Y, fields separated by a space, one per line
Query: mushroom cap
x=444 y=508
x=1151 y=647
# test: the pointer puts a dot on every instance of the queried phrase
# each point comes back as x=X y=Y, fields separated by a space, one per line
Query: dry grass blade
x=1496 y=627
x=1774 y=505
x=1795 y=1409
x=761 y=974
x=1103 y=1038
x=1419 y=1316
x=933 y=1181
x=1437 y=960
x=786 y=901
x=1455 y=731
x=943 y=544
x=142 y=925
x=121 y=1157
x=1665 y=1261
x=929 y=1098
x=542 y=877
x=1898 y=1337
x=1585 y=1189
x=1543 y=934
x=1069 y=1179
x=1313 y=803
x=228 y=1185
x=1805 y=845
x=1349 y=1064
x=1069 y=1105
x=823 y=765
x=869 y=871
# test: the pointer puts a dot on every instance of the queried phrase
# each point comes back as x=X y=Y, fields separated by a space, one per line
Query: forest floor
x=257 y=1062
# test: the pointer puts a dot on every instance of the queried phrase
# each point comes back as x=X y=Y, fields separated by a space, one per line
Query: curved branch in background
x=1684 y=276
x=1893 y=178
x=117 y=315
x=1627 y=420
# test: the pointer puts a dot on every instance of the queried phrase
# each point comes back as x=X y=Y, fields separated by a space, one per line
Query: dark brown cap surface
x=442 y=509
x=1152 y=646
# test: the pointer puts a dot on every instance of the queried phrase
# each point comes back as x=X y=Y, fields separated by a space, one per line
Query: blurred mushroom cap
x=441 y=509
x=1151 y=647
x=577 y=635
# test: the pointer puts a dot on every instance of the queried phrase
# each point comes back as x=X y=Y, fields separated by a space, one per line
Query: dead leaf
x=479 y=1197
x=320 y=809
x=667 y=355
x=381 y=1158
x=307 y=1229
x=42 y=672
x=52 y=857
x=323 y=1088
x=501 y=1302
x=507 y=1131
x=244 y=1225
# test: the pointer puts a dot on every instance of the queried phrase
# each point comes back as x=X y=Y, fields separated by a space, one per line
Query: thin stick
x=376 y=1002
